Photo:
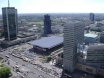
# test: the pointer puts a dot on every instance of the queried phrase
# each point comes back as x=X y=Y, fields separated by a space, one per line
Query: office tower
x=73 y=36
x=101 y=37
x=91 y=16
x=95 y=55
x=9 y=15
x=47 y=25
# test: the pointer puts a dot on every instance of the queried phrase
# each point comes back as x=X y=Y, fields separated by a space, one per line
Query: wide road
x=27 y=65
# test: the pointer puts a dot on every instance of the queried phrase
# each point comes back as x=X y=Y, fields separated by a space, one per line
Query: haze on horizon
x=55 y=6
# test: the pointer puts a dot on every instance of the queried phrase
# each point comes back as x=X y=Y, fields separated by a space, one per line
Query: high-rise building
x=47 y=24
x=73 y=35
x=9 y=15
x=92 y=17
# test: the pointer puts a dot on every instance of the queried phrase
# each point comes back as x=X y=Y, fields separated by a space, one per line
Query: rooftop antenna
x=8 y=4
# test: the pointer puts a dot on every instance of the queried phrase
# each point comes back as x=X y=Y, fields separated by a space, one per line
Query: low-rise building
x=90 y=38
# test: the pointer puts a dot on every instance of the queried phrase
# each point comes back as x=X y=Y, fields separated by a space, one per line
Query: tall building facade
x=101 y=37
x=9 y=15
x=73 y=35
x=47 y=24
x=92 y=17
x=95 y=55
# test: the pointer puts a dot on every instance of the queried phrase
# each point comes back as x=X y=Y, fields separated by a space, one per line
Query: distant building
x=9 y=15
x=95 y=55
x=73 y=35
x=42 y=30
x=102 y=37
x=47 y=24
x=23 y=29
x=90 y=38
x=92 y=17
x=97 y=27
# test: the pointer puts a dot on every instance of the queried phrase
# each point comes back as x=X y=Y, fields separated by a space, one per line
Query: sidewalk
x=48 y=66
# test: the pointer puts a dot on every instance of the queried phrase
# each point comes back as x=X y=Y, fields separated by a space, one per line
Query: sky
x=55 y=6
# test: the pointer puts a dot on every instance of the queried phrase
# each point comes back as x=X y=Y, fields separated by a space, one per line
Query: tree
x=99 y=30
x=38 y=30
x=5 y=72
x=48 y=58
x=2 y=34
x=87 y=31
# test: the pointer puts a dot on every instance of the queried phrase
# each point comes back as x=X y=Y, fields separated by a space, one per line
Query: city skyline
x=55 y=6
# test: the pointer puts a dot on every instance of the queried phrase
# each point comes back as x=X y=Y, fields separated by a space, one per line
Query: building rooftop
x=48 y=42
x=90 y=35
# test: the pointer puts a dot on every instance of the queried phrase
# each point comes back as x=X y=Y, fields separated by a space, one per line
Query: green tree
x=99 y=30
x=48 y=59
x=5 y=72
x=87 y=31
x=38 y=30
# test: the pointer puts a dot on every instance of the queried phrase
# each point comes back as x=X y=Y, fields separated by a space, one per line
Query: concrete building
x=90 y=38
x=95 y=55
x=59 y=59
x=9 y=15
x=100 y=71
x=92 y=17
x=73 y=35
x=101 y=37
x=47 y=24
x=96 y=28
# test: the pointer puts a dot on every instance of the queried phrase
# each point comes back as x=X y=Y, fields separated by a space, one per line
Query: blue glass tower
x=92 y=17
x=47 y=24
x=9 y=15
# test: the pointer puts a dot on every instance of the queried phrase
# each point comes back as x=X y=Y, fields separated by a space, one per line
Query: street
x=27 y=66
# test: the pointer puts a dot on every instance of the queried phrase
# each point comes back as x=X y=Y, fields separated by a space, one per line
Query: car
x=40 y=56
x=1 y=51
x=23 y=64
x=13 y=54
x=7 y=56
x=24 y=59
x=16 y=61
x=35 y=63
x=10 y=53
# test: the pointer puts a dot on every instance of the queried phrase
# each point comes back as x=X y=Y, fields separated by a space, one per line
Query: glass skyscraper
x=91 y=16
x=9 y=15
x=47 y=24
